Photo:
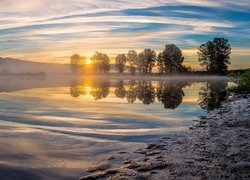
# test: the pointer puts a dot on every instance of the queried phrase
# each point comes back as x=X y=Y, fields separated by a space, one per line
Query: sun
x=88 y=61
x=88 y=89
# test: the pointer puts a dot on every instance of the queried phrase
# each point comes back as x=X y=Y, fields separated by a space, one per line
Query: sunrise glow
x=63 y=28
x=87 y=89
x=88 y=61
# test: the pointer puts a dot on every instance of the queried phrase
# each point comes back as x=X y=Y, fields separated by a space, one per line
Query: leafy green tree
x=146 y=61
x=171 y=59
x=132 y=60
x=120 y=61
x=215 y=55
x=101 y=62
x=77 y=62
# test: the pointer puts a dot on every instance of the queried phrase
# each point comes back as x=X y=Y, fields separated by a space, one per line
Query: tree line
x=214 y=56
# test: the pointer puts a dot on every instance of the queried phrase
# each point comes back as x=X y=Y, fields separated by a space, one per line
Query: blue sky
x=50 y=31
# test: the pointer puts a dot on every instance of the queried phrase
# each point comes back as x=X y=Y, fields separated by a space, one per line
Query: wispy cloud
x=46 y=30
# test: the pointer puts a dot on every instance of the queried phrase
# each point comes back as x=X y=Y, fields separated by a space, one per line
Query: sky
x=51 y=31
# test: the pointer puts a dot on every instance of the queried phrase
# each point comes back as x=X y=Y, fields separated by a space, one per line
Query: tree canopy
x=171 y=59
x=76 y=62
x=215 y=55
x=146 y=61
x=132 y=60
x=120 y=62
x=101 y=62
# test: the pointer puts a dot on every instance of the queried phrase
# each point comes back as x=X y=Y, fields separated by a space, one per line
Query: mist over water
x=53 y=127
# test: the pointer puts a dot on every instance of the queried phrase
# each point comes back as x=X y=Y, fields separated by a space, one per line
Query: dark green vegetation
x=214 y=56
x=170 y=60
x=242 y=79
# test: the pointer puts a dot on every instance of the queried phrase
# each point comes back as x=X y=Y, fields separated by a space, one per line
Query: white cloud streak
x=54 y=29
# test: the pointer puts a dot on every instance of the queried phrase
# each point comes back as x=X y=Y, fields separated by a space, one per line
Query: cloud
x=51 y=30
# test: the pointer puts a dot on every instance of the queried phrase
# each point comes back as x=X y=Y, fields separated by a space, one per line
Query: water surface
x=58 y=127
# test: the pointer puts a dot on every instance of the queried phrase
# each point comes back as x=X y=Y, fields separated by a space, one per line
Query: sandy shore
x=215 y=147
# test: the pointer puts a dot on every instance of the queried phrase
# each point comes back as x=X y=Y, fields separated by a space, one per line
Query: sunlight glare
x=88 y=61
x=88 y=89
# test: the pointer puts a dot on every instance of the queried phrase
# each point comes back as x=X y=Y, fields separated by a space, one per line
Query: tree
x=146 y=61
x=120 y=61
x=171 y=59
x=101 y=62
x=132 y=60
x=160 y=64
x=215 y=55
x=77 y=62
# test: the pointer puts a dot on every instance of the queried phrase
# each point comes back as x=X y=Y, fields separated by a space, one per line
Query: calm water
x=58 y=127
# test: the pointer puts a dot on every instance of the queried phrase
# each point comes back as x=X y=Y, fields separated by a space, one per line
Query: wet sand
x=215 y=147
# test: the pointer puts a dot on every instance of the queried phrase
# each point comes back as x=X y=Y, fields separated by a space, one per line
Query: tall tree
x=77 y=62
x=172 y=59
x=146 y=61
x=120 y=61
x=215 y=55
x=132 y=60
x=101 y=62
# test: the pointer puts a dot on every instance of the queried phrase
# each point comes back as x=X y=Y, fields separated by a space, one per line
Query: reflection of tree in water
x=131 y=93
x=170 y=94
x=146 y=92
x=211 y=96
x=101 y=89
x=120 y=90
x=76 y=91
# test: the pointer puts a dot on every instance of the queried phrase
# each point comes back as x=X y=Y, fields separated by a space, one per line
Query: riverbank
x=215 y=147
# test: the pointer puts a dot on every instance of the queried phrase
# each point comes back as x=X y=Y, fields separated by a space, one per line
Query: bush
x=242 y=80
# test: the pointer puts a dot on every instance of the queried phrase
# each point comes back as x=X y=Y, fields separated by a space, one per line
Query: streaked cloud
x=44 y=30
